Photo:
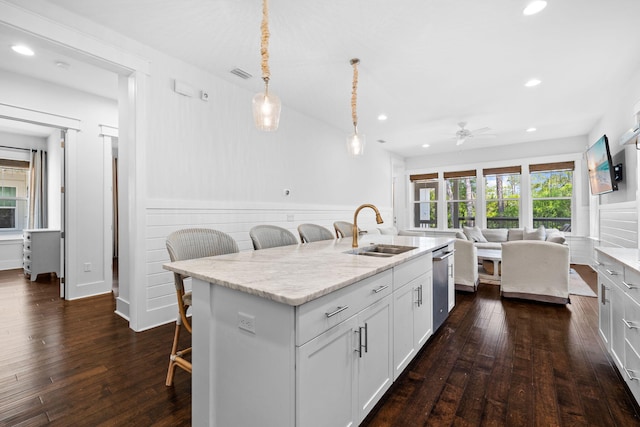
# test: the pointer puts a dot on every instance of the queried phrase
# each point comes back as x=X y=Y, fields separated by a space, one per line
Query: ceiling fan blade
x=481 y=130
x=460 y=141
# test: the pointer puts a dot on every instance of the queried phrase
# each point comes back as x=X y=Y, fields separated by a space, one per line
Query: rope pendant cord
x=264 y=44
x=354 y=94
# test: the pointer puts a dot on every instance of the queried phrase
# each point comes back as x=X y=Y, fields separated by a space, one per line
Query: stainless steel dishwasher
x=441 y=259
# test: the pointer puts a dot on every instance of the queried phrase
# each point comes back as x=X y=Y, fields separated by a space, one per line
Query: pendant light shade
x=266 y=111
x=355 y=141
x=266 y=105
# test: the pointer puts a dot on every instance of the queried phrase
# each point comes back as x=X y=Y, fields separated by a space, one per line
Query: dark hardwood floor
x=501 y=362
x=493 y=362
x=77 y=363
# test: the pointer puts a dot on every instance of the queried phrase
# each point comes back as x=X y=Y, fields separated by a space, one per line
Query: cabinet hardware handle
x=366 y=337
x=598 y=263
x=603 y=297
x=420 y=295
x=631 y=325
x=417 y=290
x=380 y=289
x=631 y=374
x=336 y=311
x=629 y=286
x=366 y=340
x=443 y=256
x=611 y=272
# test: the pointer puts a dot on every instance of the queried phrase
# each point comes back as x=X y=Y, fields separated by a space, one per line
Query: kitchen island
x=306 y=335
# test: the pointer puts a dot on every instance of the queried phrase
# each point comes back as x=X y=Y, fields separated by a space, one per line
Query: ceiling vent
x=241 y=73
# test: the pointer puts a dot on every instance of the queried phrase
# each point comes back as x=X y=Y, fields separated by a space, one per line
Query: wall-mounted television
x=601 y=178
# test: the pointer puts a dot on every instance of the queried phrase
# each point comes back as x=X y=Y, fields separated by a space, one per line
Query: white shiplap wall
x=619 y=225
x=235 y=219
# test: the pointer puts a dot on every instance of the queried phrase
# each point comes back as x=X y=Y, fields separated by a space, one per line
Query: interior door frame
x=69 y=127
x=134 y=73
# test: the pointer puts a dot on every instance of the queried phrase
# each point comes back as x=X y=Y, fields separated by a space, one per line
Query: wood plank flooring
x=502 y=362
x=77 y=363
x=493 y=362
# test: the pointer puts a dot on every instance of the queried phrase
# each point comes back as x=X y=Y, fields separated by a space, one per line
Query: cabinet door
x=375 y=369
x=617 y=296
x=404 y=349
x=604 y=310
x=423 y=311
x=325 y=378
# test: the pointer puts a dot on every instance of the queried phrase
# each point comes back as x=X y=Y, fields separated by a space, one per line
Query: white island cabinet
x=619 y=310
x=305 y=335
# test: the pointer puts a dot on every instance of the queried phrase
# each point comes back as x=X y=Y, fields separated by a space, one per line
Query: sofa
x=535 y=270
x=492 y=238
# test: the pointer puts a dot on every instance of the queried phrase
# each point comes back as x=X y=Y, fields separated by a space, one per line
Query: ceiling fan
x=463 y=133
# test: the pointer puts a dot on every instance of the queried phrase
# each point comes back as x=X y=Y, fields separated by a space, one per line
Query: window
x=502 y=197
x=13 y=198
x=551 y=194
x=425 y=200
x=461 y=198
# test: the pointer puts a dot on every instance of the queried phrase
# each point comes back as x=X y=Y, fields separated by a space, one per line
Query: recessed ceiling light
x=532 y=130
x=425 y=145
x=532 y=83
x=382 y=141
x=534 y=7
x=382 y=117
x=22 y=49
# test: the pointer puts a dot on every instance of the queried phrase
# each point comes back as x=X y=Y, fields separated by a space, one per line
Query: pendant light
x=355 y=141
x=266 y=106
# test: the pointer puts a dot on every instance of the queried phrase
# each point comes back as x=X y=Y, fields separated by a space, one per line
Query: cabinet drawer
x=631 y=322
x=631 y=283
x=404 y=273
x=631 y=371
x=317 y=316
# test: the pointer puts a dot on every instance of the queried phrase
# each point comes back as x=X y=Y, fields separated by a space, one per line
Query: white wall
x=207 y=165
x=86 y=164
x=200 y=161
x=617 y=120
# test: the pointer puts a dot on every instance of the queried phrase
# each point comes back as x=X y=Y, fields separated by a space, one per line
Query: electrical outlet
x=247 y=322
x=87 y=266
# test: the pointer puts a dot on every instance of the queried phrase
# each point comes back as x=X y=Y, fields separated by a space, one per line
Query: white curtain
x=38 y=200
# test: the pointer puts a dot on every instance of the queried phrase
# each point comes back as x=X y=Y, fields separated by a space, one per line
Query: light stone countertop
x=297 y=274
x=627 y=256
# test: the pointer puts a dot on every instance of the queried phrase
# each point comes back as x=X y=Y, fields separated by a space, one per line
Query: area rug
x=577 y=286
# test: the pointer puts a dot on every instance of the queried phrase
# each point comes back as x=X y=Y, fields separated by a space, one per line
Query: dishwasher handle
x=443 y=255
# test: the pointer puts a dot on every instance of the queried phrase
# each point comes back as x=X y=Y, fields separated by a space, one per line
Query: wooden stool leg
x=172 y=364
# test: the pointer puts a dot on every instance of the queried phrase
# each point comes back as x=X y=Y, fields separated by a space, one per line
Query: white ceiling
x=427 y=64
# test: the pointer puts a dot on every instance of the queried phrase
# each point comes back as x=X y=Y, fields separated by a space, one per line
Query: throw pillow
x=515 y=234
x=556 y=238
x=474 y=234
x=534 y=233
x=495 y=234
x=460 y=235
x=389 y=231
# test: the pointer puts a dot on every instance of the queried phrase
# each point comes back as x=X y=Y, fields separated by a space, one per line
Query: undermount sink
x=381 y=250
